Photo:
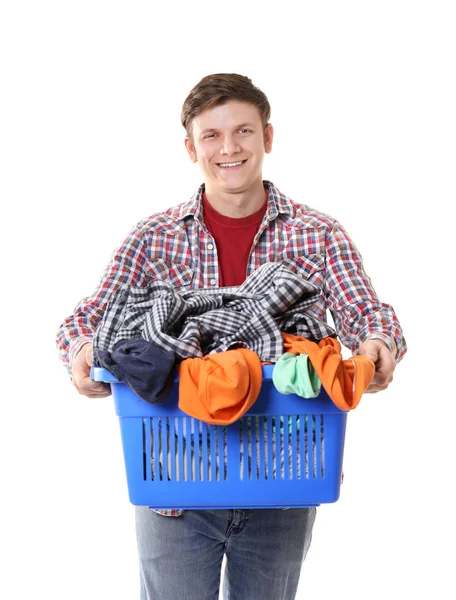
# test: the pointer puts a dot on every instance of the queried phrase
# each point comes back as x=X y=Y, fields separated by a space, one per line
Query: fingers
x=81 y=376
x=384 y=362
x=372 y=349
x=92 y=389
x=379 y=383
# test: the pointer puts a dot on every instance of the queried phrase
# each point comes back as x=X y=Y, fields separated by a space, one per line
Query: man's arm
x=364 y=324
x=74 y=338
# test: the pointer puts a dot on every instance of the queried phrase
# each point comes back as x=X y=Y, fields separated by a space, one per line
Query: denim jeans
x=181 y=557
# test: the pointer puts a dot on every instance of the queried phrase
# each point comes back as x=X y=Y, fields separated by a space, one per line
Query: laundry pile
x=218 y=339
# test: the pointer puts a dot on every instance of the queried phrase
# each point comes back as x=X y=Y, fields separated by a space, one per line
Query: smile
x=231 y=164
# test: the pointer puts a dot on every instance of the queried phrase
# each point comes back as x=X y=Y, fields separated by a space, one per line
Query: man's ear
x=190 y=149
x=268 y=137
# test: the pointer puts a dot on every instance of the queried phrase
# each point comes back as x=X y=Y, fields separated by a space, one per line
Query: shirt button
x=212 y=282
x=210 y=246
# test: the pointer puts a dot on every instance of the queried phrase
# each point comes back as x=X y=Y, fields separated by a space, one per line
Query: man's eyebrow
x=211 y=129
x=247 y=124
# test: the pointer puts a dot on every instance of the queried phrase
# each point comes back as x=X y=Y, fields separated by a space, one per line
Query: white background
x=363 y=103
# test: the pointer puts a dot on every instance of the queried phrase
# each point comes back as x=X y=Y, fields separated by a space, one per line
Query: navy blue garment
x=143 y=367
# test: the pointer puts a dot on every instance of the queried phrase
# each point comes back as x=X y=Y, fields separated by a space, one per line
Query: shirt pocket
x=310 y=267
x=179 y=276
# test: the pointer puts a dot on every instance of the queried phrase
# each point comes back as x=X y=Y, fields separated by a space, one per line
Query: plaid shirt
x=175 y=245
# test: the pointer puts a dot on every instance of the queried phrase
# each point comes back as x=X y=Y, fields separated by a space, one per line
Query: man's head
x=228 y=132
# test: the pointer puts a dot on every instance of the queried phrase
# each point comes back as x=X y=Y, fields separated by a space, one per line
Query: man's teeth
x=236 y=164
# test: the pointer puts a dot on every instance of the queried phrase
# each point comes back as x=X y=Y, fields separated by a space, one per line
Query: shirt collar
x=278 y=203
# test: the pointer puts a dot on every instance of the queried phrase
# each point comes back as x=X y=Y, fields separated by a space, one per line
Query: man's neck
x=237 y=204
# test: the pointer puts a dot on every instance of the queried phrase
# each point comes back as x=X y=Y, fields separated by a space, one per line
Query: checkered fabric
x=199 y=322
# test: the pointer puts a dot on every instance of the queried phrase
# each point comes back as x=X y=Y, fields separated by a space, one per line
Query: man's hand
x=81 y=375
x=384 y=362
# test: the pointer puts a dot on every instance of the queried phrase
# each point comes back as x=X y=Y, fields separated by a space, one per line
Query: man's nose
x=229 y=146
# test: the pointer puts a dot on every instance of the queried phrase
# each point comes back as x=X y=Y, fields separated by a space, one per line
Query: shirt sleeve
x=356 y=309
x=126 y=267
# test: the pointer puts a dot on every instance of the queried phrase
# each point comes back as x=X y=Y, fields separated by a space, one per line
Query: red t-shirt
x=233 y=239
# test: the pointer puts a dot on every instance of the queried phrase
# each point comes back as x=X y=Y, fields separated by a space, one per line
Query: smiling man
x=234 y=223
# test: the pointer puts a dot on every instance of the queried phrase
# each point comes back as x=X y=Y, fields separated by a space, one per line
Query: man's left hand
x=384 y=362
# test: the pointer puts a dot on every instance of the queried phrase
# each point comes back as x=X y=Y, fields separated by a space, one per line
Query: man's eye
x=209 y=136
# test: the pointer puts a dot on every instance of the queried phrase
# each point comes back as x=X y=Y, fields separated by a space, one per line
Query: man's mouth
x=231 y=165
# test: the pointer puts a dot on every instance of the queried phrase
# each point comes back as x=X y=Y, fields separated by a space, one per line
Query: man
x=233 y=224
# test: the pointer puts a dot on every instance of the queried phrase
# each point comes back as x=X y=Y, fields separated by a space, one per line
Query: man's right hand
x=81 y=375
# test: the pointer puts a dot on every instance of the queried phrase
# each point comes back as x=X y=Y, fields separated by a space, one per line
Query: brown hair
x=214 y=90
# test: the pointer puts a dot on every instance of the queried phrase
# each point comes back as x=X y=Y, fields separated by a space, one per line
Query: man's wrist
x=389 y=343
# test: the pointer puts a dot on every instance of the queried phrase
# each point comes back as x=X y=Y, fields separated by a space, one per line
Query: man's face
x=229 y=144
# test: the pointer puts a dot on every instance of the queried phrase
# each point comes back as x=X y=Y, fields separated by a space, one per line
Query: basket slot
x=160 y=447
x=219 y=452
x=250 y=457
x=294 y=467
x=276 y=421
x=240 y=432
x=222 y=454
x=164 y=449
x=316 y=439
x=154 y=449
x=269 y=449
x=322 y=438
x=309 y=449
x=313 y=447
x=147 y=463
x=290 y=457
x=180 y=450
x=261 y=433
x=303 y=454
x=188 y=448
x=317 y=445
x=250 y=448
x=257 y=436
x=204 y=441
x=282 y=447
x=241 y=446
x=151 y=449
x=208 y=451
x=171 y=429
x=213 y=452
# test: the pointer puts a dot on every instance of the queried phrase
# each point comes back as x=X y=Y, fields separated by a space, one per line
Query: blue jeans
x=181 y=557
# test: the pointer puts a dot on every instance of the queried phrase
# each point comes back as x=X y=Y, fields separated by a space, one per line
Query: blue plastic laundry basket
x=286 y=451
